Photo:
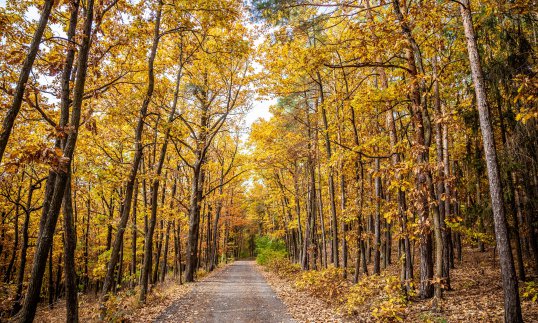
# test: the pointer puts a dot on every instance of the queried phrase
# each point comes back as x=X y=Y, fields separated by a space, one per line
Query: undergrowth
x=381 y=297
x=268 y=249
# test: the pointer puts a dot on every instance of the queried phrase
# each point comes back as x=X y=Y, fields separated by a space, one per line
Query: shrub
x=283 y=267
x=383 y=295
x=268 y=249
x=529 y=291
x=327 y=284
x=267 y=255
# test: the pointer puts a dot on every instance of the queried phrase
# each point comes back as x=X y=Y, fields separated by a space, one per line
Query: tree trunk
x=158 y=252
x=70 y=243
x=439 y=217
x=87 y=244
x=512 y=306
x=194 y=219
x=69 y=227
x=24 y=247
x=179 y=252
x=109 y=278
x=332 y=198
x=49 y=224
x=11 y=115
x=7 y=276
x=134 y=235
x=50 y=289
x=298 y=211
x=214 y=247
x=377 y=220
x=321 y=219
x=165 y=254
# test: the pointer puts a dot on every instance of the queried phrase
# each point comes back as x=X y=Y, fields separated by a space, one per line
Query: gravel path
x=238 y=293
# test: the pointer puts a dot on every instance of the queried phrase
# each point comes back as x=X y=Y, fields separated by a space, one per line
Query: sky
x=260 y=107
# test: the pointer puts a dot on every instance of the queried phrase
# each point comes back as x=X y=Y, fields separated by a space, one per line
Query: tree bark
x=46 y=234
x=420 y=144
x=512 y=306
x=165 y=254
x=11 y=115
x=109 y=278
x=24 y=247
x=377 y=220
x=332 y=197
x=70 y=243
x=134 y=235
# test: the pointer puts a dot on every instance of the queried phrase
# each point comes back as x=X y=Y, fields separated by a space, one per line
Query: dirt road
x=239 y=293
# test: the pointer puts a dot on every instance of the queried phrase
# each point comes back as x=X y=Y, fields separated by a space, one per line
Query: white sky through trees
x=260 y=107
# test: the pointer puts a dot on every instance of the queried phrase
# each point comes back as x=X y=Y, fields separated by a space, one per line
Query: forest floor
x=245 y=292
x=302 y=306
x=125 y=307
x=476 y=296
x=236 y=292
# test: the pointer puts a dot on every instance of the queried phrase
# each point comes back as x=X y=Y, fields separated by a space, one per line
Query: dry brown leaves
x=127 y=307
x=476 y=296
x=301 y=306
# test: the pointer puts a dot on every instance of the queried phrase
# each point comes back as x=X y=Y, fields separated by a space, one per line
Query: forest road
x=238 y=293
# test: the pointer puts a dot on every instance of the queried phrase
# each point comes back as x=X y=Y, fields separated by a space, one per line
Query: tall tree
x=46 y=232
x=512 y=306
x=11 y=115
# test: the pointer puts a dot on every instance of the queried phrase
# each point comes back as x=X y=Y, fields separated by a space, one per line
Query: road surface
x=238 y=293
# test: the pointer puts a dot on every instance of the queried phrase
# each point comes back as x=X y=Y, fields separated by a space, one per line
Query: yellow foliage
x=382 y=295
x=327 y=284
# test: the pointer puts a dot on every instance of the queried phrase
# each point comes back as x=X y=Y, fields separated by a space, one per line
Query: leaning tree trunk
x=49 y=224
x=118 y=241
x=146 y=268
x=7 y=124
x=69 y=228
x=512 y=306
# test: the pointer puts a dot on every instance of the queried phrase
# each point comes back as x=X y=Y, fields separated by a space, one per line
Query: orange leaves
x=38 y=153
x=15 y=57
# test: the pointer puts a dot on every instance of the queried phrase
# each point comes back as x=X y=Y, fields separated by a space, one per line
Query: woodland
x=400 y=154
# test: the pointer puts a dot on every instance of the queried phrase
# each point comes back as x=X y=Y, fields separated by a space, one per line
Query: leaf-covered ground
x=476 y=296
x=125 y=306
x=302 y=306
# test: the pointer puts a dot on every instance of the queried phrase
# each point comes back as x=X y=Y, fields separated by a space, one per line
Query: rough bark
x=512 y=306
x=46 y=234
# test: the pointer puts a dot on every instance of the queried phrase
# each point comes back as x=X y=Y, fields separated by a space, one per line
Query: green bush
x=268 y=249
